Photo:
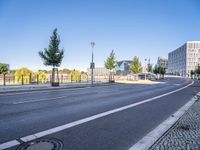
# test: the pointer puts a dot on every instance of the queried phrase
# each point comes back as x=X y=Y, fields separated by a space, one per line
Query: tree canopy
x=149 y=67
x=53 y=55
x=136 y=66
x=111 y=62
x=3 y=69
x=25 y=73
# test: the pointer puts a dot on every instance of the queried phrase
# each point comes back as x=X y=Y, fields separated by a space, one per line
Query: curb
x=54 y=88
x=148 y=140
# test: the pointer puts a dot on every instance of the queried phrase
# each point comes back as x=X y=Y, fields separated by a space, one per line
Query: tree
x=197 y=71
x=136 y=66
x=42 y=78
x=53 y=55
x=159 y=71
x=162 y=71
x=192 y=73
x=65 y=71
x=75 y=76
x=110 y=63
x=149 y=67
x=23 y=75
x=3 y=69
x=155 y=70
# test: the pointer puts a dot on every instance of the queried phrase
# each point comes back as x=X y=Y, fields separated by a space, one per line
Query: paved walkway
x=184 y=134
x=46 y=86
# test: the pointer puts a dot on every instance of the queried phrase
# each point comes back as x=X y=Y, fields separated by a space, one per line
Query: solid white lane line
x=84 y=120
x=148 y=140
x=9 y=144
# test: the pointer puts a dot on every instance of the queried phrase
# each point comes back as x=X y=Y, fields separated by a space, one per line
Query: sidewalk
x=184 y=134
x=16 y=88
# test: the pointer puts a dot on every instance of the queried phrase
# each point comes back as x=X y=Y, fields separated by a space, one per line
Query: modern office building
x=162 y=62
x=123 y=67
x=184 y=59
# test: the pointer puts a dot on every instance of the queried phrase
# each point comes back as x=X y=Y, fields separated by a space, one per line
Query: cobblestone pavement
x=184 y=134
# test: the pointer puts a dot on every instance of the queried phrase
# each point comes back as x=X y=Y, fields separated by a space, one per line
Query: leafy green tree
x=197 y=71
x=42 y=78
x=53 y=55
x=159 y=71
x=84 y=76
x=162 y=71
x=65 y=71
x=192 y=72
x=12 y=72
x=136 y=66
x=75 y=76
x=149 y=67
x=110 y=63
x=155 y=70
x=3 y=69
x=23 y=76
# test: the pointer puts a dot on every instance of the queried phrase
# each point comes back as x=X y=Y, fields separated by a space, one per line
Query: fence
x=11 y=79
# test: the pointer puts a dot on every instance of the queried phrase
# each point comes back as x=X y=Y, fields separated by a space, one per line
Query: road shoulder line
x=148 y=140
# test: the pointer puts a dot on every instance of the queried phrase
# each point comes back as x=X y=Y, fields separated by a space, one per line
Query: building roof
x=193 y=42
x=120 y=62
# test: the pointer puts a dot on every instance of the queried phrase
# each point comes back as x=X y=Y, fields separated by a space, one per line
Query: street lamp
x=92 y=65
x=145 y=69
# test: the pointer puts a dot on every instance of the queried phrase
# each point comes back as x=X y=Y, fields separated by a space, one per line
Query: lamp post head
x=92 y=44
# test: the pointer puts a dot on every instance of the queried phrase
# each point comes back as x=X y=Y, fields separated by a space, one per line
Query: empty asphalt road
x=24 y=114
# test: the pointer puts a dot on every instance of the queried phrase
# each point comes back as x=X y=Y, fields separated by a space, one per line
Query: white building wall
x=184 y=59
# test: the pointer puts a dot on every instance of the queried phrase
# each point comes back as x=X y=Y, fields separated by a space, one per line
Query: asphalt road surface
x=23 y=114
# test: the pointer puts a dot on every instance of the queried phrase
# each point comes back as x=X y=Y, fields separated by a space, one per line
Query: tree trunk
x=4 y=79
x=53 y=76
x=55 y=82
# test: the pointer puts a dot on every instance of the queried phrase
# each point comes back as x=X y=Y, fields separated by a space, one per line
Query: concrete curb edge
x=148 y=140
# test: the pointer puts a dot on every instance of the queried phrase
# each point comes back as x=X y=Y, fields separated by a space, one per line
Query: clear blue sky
x=143 y=28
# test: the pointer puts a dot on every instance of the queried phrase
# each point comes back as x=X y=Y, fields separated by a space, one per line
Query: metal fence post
x=37 y=78
x=87 y=78
x=61 y=78
x=4 y=79
x=22 y=79
x=30 y=78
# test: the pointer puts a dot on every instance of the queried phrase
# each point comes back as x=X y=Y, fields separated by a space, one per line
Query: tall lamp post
x=92 y=65
x=145 y=69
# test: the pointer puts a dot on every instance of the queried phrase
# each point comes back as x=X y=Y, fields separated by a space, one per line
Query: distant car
x=149 y=76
